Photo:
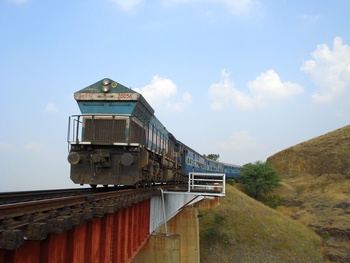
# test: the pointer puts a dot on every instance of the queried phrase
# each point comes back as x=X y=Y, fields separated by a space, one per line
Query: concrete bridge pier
x=180 y=244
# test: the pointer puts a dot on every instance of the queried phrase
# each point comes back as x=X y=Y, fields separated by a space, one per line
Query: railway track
x=34 y=215
x=17 y=204
x=25 y=196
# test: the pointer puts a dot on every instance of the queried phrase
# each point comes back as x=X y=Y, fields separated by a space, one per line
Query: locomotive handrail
x=206 y=181
x=73 y=132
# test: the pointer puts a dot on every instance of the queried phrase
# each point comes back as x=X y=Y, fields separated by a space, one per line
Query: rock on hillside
x=326 y=154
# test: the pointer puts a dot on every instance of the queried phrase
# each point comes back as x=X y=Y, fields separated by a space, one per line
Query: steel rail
x=91 y=198
x=25 y=196
x=20 y=209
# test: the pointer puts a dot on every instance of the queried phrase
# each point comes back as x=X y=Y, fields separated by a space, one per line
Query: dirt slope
x=316 y=186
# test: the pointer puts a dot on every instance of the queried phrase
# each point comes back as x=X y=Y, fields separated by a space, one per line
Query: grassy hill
x=326 y=154
x=241 y=229
x=316 y=186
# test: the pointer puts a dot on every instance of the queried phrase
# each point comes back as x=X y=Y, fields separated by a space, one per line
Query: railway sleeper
x=36 y=231
x=11 y=239
x=59 y=225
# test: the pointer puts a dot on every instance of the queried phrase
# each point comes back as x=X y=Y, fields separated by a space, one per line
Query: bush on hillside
x=230 y=181
x=259 y=179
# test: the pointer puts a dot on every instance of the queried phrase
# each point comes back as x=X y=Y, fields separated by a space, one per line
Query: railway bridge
x=148 y=225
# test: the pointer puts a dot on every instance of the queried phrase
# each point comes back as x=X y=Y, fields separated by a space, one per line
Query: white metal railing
x=207 y=182
x=202 y=184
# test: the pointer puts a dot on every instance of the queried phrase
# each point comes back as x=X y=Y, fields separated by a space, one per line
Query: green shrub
x=219 y=219
x=325 y=236
x=273 y=200
x=259 y=178
x=211 y=233
x=231 y=181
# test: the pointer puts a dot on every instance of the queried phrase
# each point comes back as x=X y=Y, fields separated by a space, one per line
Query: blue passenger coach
x=195 y=162
x=192 y=161
x=232 y=171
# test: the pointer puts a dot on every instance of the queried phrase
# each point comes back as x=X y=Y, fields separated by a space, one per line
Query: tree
x=212 y=156
x=259 y=178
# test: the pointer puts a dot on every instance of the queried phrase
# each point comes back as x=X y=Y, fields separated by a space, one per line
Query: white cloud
x=310 y=19
x=329 y=70
x=265 y=89
x=235 y=148
x=235 y=7
x=19 y=2
x=160 y=93
x=174 y=2
x=238 y=141
x=225 y=93
x=159 y=89
x=51 y=108
x=36 y=146
x=170 y=3
x=5 y=146
x=126 y=5
x=268 y=88
x=241 y=7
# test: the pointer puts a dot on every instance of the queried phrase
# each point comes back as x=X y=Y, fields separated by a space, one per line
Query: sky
x=244 y=79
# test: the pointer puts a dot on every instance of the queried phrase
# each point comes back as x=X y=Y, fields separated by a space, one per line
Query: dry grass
x=244 y=230
x=316 y=187
x=317 y=178
x=325 y=154
x=317 y=206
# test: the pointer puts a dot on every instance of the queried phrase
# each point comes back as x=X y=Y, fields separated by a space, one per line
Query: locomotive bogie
x=104 y=166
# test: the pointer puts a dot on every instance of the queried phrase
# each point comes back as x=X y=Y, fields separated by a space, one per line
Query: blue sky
x=241 y=78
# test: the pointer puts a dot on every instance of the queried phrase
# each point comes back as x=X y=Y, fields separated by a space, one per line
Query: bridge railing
x=207 y=183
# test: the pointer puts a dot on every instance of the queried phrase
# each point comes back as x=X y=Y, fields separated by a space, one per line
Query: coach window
x=158 y=139
x=167 y=145
x=150 y=135
x=154 y=139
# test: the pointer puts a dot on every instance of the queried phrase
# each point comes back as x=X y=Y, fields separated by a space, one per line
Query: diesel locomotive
x=117 y=140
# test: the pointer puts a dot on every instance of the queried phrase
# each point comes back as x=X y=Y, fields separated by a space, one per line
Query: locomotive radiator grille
x=104 y=130
x=137 y=133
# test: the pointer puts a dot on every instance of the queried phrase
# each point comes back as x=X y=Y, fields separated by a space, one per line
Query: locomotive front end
x=107 y=140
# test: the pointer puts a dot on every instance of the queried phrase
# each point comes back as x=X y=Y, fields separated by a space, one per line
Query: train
x=117 y=140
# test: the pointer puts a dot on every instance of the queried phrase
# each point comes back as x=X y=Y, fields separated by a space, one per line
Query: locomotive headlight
x=73 y=158
x=105 y=82
x=105 y=89
x=105 y=85
x=127 y=159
